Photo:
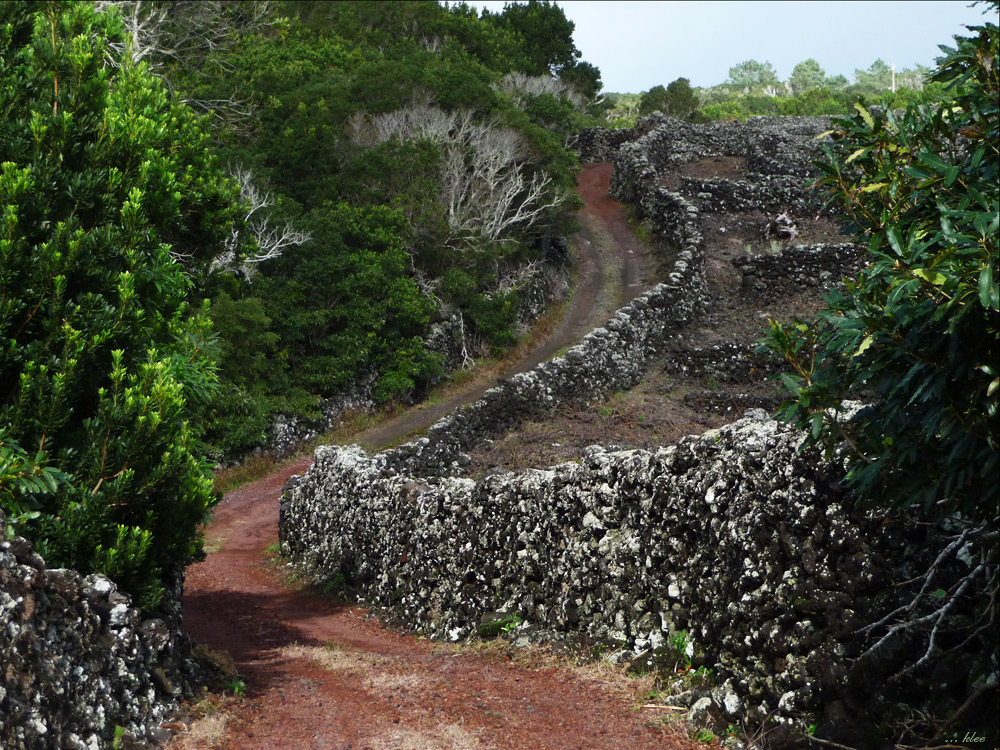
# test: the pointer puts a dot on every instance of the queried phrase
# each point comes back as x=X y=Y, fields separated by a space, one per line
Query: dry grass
x=202 y=725
x=252 y=469
x=442 y=737
x=335 y=657
x=203 y=732
x=386 y=683
x=613 y=678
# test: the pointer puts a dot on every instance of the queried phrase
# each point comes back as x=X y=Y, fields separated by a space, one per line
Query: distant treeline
x=753 y=88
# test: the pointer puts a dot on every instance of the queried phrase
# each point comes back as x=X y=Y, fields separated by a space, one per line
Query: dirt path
x=322 y=675
x=612 y=268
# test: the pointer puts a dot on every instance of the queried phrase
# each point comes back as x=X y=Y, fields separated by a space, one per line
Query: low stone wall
x=769 y=194
x=728 y=362
x=778 y=151
x=608 y=359
x=734 y=537
x=805 y=265
x=78 y=660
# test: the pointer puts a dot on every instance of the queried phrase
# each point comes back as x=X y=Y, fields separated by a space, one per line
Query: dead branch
x=256 y=230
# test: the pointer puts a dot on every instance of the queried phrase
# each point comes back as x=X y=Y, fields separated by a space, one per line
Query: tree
x=875 y=80
x=110 y=202
x=752 y=74
x=807 y=75
x=676 y=100
x=584 y=77
x=184 y=32
x=546 y=36
x=485 y=186
x=837 y=82
x=915 y=335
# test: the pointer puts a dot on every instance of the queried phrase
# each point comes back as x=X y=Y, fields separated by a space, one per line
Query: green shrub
x=915 y=335
x=109 y=202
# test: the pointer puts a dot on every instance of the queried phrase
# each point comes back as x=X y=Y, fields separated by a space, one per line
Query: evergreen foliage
x=915 y=335
x=676 y=100
x=410 y=140
x=753 y=89
x=110 y=201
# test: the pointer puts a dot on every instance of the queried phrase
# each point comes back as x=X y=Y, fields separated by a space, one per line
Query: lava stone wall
x=735 y=536
x=608 y=359
x=78 y=660
x=804 y=265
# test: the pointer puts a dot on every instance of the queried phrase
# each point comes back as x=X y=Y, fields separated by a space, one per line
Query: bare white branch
x=485 y=186
x=184 y=31
x=516 y=85
x=270 y=240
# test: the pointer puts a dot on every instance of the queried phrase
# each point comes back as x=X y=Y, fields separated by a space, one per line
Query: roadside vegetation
x=216 y=212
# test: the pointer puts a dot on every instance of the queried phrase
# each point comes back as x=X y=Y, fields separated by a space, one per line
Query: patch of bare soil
x=680 y=393
x=728 y=167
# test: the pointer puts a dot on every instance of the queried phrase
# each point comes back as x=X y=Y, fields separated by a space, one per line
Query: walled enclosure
x=734 y=536
x=78 y=660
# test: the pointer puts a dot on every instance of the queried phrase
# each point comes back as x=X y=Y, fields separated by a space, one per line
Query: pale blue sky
x=638 y=45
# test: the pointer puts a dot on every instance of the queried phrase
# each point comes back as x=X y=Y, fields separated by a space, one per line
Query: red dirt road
x=322 y=675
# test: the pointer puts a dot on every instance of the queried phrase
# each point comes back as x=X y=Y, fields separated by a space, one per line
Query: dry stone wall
x=79 y=660
x=608 y=359
x=805 y=265
x=734 y=537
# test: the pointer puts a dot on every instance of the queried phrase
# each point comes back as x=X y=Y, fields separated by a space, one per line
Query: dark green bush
x=110 y=200
x=915 y=335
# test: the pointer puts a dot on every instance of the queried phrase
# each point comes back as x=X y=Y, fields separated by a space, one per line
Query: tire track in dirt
x=321 y=674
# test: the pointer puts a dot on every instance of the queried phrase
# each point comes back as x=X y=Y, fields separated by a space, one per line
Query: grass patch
x=441 y=737
x=250 y=470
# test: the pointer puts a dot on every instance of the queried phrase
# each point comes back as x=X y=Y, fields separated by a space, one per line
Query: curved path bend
x=323 y=675
x=611 y=269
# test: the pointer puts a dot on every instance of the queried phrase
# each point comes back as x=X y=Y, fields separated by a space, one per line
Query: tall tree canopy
x=676 y=100
x=111 y=201
x=807 y=75
x=751 y=73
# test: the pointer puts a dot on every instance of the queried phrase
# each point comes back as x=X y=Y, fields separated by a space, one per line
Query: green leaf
x=855 y=155
x=864 y=345
x=939 y=594
x=791 y=384
x=817 y=425
x=895 y=240
x=933 y=161
x=873 y=187
x=864 y=115
x=931 y=277
x=989 y=294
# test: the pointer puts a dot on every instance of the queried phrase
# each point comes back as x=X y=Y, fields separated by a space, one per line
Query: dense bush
x=110 y=201
x=676 y=100
x=915 y=335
